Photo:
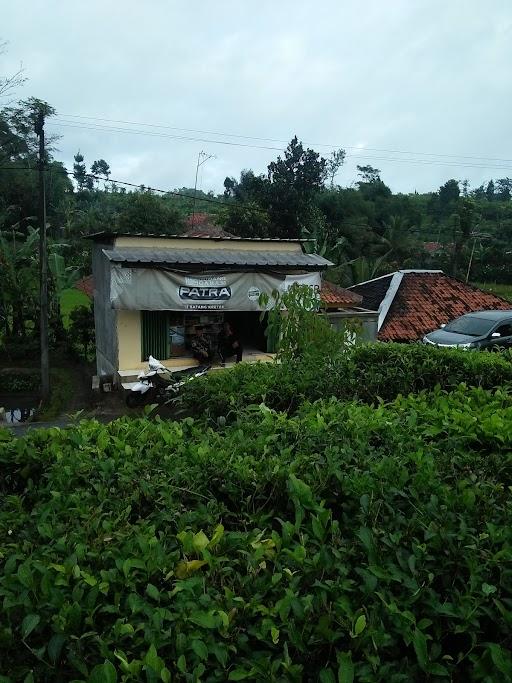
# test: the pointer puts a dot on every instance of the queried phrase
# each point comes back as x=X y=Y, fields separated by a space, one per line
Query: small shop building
x=152 y=293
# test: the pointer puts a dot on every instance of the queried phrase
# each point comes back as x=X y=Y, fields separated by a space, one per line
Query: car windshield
x=470 y=325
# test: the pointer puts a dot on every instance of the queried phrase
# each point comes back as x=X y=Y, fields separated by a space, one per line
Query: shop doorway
x=249 y=328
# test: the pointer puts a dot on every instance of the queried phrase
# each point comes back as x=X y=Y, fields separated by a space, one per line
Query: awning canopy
x=216 y=258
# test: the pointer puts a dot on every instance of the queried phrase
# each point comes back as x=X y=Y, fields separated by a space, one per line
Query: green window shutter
x=155 y=335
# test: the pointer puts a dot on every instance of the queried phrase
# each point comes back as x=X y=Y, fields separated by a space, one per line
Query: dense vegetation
x=345 y=541
x=368 y=373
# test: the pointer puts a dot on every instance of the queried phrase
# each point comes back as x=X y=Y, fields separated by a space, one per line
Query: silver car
x=480 y=330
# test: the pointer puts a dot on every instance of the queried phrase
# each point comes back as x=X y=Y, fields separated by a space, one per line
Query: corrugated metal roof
x=217 y=257
x=105 y=234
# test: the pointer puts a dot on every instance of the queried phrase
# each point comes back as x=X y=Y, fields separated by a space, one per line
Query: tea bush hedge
x=348 y=542
x=366 y=373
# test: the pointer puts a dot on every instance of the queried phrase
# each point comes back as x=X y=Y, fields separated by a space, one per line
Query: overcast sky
x=422 y=76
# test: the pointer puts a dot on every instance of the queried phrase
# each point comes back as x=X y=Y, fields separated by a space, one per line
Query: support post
x=43 y=264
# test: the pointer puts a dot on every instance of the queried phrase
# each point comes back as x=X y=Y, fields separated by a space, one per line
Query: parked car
x=489 y=330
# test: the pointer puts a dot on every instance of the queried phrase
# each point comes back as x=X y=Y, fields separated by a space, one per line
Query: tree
x=245 y=219
x=489 y=192
x=8 y=84
x=19 y=139
x=448 y=196
x=294 y=180
x=504 y=189
x=83 y=179
x=334 y=163
x=146 y=213
x=81 y=328
x=368 y=174
x=100 y=168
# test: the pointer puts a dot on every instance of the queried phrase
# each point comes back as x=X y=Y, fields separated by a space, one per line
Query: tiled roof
x=373 y=291
x=334 y=296
x=426 y=300
x=432 y=247
x=86 y=285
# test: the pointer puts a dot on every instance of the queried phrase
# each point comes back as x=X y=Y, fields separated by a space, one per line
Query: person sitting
x=230 y=344
x=200 y=346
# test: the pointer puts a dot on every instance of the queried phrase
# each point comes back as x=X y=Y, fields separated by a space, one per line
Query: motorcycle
x=161 y=384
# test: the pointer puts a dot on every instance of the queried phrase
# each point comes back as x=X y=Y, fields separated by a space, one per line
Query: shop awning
x=216 y=258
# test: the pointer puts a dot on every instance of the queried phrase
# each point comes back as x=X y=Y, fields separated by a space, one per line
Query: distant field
x=504 y=291
x=70 y=299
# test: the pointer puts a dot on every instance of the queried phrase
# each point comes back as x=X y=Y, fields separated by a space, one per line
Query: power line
x=285 y=142
x=422 y=162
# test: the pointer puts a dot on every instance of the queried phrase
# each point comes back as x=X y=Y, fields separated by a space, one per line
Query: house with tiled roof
x=411 y=303
x=154 y=293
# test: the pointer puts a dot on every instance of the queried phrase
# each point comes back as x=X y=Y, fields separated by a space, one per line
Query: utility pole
x=43 y=263
x=205 y=158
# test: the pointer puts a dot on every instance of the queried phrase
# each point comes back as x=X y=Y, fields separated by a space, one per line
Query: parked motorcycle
x=160 y=384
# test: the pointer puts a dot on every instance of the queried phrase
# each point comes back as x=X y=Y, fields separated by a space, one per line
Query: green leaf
x=200 y=649
x=360 y=625
x=438 y=670
x=153 y=592
x=274 y=632
x=29 y=624
x=300 y=491
x=326 y=676
x=55 y=647
x=165 y=675
x=420 y=647
x=185 y=569
x=487 y=589
x=366 y=537
x=204 y=619
x=501 y=659
x=103 y=673
x=239 y=674
x=200 y=541
x=182 y=664
x=346 y=668
x=152 y=660
x=217 y=535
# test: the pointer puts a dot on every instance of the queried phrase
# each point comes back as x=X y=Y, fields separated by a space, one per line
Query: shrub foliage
x=346 y=542
x=367 y=372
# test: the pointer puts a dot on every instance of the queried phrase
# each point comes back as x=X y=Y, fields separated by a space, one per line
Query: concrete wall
x=364 y=321
x=104 y=315
x=232 y=245
x=129 y=337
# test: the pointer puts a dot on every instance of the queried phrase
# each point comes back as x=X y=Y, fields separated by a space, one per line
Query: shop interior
x=184 y=326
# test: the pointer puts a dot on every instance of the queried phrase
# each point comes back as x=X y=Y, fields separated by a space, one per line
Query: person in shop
x=230 y=344
x=200 y=345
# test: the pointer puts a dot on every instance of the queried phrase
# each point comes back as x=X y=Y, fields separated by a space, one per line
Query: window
x=505 y=330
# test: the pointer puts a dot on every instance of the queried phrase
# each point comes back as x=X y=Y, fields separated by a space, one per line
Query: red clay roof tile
x=334 y=296
x=86 y=285
x=424 y=301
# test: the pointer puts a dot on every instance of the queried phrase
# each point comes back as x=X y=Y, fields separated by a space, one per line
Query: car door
x=504 y=341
